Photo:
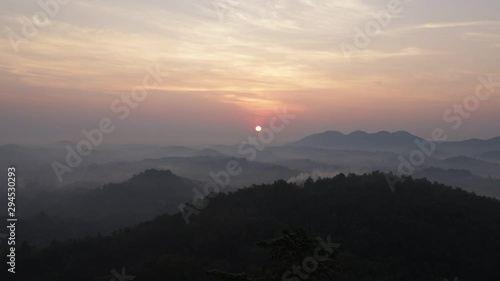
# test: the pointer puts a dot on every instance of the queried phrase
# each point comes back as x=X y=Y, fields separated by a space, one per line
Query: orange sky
x=228 y=63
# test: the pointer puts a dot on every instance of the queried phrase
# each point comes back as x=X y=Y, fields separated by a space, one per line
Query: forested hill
x=421 y=232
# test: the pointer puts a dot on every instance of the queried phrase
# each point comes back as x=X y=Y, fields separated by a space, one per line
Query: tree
x=289 y=251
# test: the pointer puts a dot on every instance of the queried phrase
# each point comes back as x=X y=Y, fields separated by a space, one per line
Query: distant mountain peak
x=358 y=133
x=402 y=133
x=331 y=133
x=153 y=173
x=359 y=140
x=11 y=146
x=495 y=139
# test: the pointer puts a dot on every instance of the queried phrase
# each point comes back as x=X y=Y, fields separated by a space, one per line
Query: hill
x=422 y=231
x=141 y=198
x=360 y=140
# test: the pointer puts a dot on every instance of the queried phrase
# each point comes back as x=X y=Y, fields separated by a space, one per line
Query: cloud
x=248 y=52
x=481 y=36
x=440 y=25
x=259 y=54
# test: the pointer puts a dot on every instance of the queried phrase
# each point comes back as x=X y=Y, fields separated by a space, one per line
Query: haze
x=224 y=73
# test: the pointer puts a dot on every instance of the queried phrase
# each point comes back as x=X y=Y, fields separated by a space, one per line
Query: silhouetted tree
x=287 y=251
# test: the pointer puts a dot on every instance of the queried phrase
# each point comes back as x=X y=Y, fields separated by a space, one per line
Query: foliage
x=421 y=232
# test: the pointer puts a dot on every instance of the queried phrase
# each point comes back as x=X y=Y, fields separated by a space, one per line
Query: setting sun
x=258 y=128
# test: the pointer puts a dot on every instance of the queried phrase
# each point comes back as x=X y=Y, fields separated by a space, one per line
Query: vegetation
x=422 y=231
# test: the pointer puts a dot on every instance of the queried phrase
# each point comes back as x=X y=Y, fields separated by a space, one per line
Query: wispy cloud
x=440 y=25
x=257 y=55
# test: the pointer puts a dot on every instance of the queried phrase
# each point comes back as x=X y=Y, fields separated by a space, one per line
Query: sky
x=225 y=65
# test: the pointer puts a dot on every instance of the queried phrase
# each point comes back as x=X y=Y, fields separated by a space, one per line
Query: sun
x=258 y=128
